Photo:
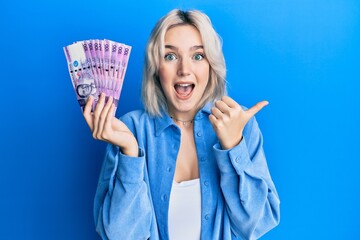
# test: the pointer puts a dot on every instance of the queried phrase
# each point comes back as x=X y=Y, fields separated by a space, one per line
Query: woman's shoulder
x=139 y=122
x=134 y=113
x=136 y=117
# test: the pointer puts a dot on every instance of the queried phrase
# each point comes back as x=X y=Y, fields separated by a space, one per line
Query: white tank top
x=184 y=217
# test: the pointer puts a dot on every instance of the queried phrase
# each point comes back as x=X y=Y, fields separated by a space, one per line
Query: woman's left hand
x=229 y=119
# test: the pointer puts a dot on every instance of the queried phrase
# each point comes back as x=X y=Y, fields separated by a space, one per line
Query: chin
x=186 y=107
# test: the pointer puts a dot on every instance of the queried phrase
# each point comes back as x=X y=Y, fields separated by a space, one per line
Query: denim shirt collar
x=164 y=121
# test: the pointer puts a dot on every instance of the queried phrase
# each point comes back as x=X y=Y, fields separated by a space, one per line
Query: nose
x=184 y=67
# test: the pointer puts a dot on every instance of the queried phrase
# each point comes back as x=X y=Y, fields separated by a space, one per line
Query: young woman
x=191 y=165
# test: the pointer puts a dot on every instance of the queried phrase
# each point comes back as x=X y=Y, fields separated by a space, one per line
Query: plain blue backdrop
x=300 y=55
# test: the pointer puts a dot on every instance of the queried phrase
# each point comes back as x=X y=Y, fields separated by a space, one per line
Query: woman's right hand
x=106 y=127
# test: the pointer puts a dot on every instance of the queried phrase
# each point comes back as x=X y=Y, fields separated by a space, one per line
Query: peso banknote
x=97 y=66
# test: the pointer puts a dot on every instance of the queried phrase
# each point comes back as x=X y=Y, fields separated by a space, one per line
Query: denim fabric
x=239 y=199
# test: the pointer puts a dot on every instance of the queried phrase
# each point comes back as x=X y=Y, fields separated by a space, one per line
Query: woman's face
x=184 y=70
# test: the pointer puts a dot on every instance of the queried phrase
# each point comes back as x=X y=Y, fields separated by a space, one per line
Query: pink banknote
x=97 y=66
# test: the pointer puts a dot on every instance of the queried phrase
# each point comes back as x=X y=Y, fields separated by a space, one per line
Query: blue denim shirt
x=238 y=196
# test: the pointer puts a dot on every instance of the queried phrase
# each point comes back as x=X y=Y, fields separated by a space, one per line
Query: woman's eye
x=170 y=57
x=198 y=57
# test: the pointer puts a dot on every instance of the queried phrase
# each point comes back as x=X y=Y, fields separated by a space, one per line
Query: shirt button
x=237 y=159
x=164 y=197
x=207 y=216
x=206 y=183
x=199 y=134
x=169 y=169
x=202 y=159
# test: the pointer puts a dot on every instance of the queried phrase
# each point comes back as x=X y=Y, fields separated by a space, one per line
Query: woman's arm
x=122 y=208
x=252 y=202
x=250 y=195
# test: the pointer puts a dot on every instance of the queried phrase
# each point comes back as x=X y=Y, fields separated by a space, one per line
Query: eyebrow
x=193 y=48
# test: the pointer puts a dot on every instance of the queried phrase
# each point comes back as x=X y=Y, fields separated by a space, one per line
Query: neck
x=183 y=121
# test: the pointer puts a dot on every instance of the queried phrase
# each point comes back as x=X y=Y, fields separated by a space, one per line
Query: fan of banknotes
x=97 y=66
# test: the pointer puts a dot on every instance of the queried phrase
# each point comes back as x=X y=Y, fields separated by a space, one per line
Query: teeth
x=184 y=84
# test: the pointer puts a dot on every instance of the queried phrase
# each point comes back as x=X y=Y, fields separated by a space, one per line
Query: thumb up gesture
x=229 y=119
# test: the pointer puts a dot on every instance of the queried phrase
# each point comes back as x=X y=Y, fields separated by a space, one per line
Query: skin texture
x=184 y=63
x=104 y=126
x=183 y=66
x=229 y=119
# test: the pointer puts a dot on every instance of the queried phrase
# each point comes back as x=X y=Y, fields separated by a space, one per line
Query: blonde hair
x=152 y=94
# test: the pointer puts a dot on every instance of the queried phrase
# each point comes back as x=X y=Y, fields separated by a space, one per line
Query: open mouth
x=184 y=89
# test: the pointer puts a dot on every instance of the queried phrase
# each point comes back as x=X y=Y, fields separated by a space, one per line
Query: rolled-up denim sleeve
x=122 y=207
x=252 y=202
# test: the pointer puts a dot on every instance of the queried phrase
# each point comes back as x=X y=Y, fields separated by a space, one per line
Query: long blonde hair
x=152 y=94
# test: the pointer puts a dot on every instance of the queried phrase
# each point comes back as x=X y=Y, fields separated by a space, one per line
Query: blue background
x=302 y=56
